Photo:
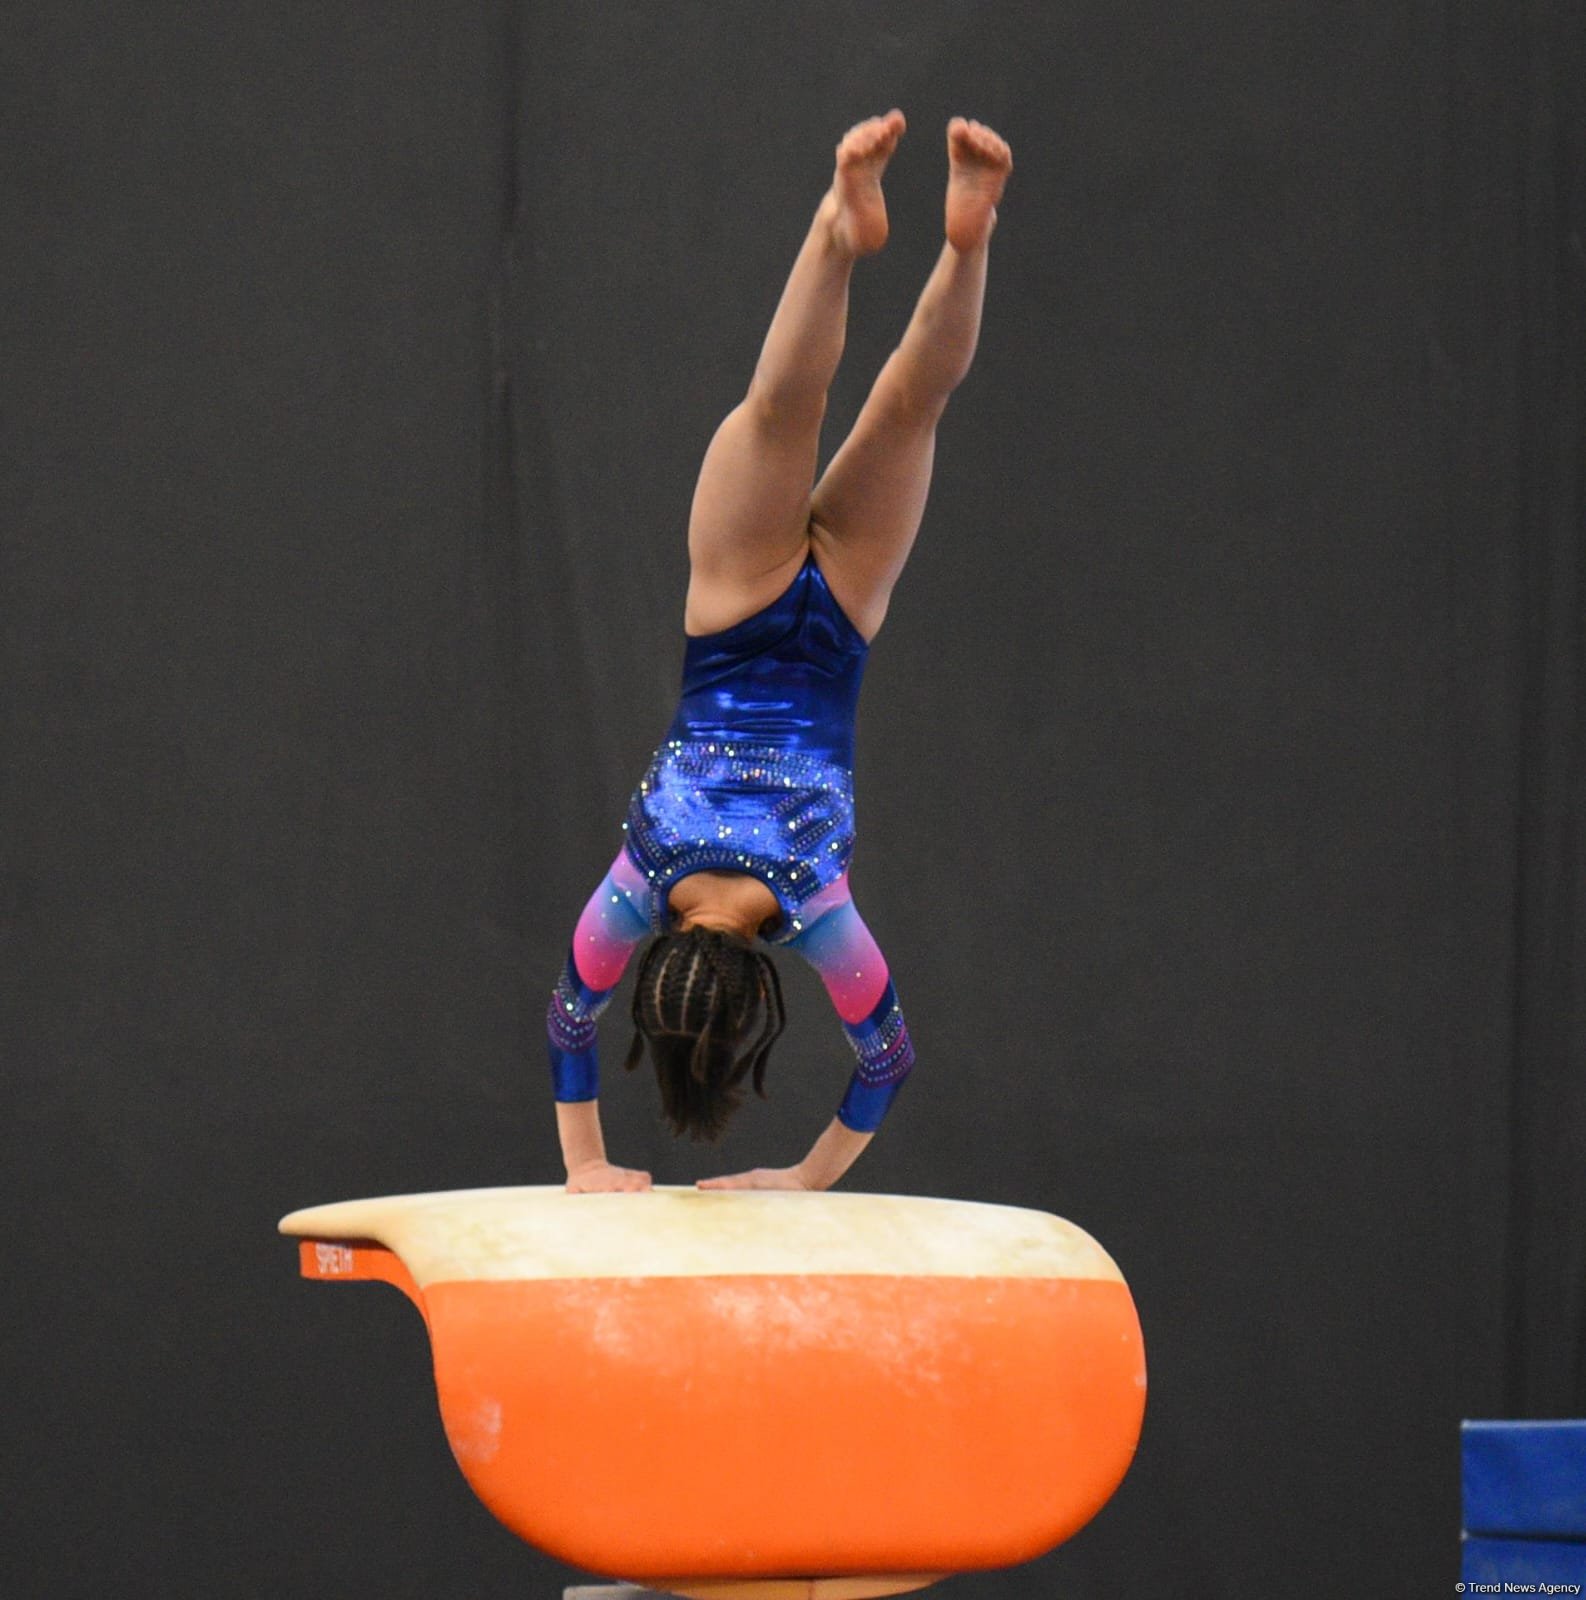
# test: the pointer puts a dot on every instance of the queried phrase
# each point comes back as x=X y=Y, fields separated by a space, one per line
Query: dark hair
x=697 y=997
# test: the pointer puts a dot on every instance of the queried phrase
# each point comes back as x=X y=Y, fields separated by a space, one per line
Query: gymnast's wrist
x=831 y=1156
x=578 y=1124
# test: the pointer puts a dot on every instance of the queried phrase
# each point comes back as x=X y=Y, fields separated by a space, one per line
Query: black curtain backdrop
x=1222 y=776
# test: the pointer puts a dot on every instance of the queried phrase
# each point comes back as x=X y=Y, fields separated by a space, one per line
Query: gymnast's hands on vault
x=741 y=831
x=760 y=1178
x=601 y=1177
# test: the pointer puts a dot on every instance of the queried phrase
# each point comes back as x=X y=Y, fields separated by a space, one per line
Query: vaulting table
x=761 y=1395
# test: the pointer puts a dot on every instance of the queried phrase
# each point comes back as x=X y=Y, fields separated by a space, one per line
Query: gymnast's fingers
x=760 y=1178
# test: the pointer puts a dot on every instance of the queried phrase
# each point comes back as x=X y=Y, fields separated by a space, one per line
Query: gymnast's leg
x=867 y=507
x=749 y=526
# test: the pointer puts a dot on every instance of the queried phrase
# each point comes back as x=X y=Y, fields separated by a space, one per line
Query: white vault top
x=544 y=1232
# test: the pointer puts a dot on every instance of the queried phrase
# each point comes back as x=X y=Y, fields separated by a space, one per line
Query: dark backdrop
x=1221 y=762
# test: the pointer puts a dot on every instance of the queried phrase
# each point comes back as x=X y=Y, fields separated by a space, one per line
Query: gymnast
x=742 y=827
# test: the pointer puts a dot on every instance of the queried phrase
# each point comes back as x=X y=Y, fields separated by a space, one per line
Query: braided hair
x=697 y=997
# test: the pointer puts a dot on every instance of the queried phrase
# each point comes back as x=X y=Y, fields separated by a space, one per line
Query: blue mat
x=1524 y=1563
x=1525 y=1479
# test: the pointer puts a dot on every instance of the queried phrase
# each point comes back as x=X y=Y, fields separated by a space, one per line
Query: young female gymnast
x=743 y=825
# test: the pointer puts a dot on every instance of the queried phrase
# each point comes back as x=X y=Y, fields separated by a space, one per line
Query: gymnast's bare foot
x=858 y=211
x=978 y=164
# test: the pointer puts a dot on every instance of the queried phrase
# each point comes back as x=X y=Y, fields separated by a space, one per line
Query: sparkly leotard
x=755 y=775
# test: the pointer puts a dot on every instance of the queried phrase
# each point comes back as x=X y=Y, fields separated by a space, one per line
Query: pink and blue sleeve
x=836 y=942
x=613 y=922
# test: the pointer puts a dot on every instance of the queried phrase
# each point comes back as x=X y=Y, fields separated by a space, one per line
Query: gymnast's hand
x=760 y=1178
x=600 y=1177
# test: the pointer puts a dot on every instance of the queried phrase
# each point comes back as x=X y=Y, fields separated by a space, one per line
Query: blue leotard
x=755 y=775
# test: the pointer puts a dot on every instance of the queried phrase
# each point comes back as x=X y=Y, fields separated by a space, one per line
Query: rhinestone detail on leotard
x=784 y=816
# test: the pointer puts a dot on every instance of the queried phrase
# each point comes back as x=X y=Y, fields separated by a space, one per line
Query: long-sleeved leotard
x=755 y=775
x=832 y=937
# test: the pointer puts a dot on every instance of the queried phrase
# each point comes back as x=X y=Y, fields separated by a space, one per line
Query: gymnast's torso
x=755 y=774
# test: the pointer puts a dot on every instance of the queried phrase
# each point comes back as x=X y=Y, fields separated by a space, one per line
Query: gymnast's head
x=709 y=1005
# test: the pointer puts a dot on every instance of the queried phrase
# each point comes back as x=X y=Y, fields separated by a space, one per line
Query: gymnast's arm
x=836 y=942
x=612 y=923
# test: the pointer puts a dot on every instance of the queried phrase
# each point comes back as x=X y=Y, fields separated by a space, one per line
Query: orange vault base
x=741 y=1393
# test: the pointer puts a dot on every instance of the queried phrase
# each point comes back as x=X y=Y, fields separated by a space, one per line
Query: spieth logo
x=333 y=1260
